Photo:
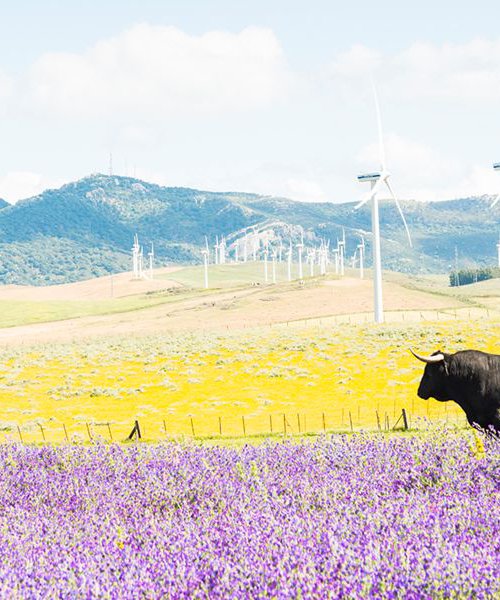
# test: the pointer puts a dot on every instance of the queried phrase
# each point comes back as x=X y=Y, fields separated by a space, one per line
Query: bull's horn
x=428 y=359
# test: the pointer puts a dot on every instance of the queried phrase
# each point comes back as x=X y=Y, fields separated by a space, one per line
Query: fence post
x=164 y=426
x=350 y=420
x=298 y=421
x=65 y=432
x=271 y=423
x=88 y=431
x=284 y=424
x=378 y=421
x=220 y=426
x=405 y=420
x=243 y=423
x=20 y=434
x=110 y=434
x=41 y=429
x=324 y=423
x=135 y=431
x=192 y=426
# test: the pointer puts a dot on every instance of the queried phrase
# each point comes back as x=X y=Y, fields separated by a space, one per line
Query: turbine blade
x=400 y=211
x=379 y=125
x=495 y=201
x=369 y=195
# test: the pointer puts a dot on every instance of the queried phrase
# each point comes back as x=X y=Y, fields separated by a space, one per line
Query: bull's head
x=435 y=378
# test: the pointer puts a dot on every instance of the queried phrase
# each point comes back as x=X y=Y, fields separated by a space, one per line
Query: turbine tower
x=377 y=180
x=135 y=257
x=245 y=248
x=289 y=261
x=322 y=258
x=216 y=250
x=361 y=250
x=151 y=256
x=300 y=247
x=255 y=246
x=341 y=250
x=266 y=255
x=222 y=251
x=205 y=253
x=311 y=255
x=335 y=253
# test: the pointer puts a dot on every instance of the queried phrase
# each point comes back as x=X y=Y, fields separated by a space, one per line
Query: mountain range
x=86 y=228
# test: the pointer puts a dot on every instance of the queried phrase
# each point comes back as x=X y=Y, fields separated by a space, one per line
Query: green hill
x=86 y=228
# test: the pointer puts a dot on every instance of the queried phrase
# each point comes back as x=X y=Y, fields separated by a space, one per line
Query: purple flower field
x=344 y=516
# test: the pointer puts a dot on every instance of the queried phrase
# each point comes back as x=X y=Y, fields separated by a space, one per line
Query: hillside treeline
x=467 y=276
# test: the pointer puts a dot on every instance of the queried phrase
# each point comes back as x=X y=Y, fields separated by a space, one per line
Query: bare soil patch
x=101 y=288
x=222 y=310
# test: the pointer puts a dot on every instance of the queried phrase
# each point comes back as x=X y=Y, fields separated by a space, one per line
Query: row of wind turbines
x=138 y=267
x=271 y=255
x=315 y=256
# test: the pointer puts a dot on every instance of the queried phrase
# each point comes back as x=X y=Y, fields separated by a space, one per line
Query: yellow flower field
x=286 y=378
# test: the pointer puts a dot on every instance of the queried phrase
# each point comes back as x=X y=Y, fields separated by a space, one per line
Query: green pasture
x=234 y=275
x=222 y=278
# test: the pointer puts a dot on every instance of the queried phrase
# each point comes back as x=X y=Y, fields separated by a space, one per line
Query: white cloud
x=419 y=172
x=356 y=62
x=18 y=185
x=152 y=71
x=450 y=72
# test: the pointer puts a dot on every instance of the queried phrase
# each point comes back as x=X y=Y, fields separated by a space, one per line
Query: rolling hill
x=85 y=229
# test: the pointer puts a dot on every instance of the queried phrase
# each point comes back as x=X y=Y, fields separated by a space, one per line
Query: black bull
x=470 y=378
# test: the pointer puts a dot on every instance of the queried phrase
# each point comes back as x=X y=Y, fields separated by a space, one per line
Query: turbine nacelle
x=370 y=176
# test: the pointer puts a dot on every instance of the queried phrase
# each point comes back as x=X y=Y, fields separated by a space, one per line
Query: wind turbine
x=498 y=251
x=311 y=255
x=266 y=254
x=135 y=257
x=151 y=256
x=377 y=180
x=245 y=248
x=141 y=263
x=255 y=242
x=205 y=254
x=222 y=251
x=274 y=265
x=300 y=247
x=289 y=261
x=361 y=249
x=216 y=250
x=335 y=253
x=322 y=258
x=341 y=249
x=496 y=167
x=280 y=251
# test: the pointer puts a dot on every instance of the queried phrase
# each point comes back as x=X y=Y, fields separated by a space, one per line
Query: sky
x=272 y=97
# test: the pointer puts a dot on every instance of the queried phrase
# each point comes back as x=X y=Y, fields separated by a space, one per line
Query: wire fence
x=343 y=419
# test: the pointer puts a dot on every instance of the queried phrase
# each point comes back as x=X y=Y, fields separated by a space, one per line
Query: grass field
x=298 y=379
x=43 y=305
x=185 y=361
